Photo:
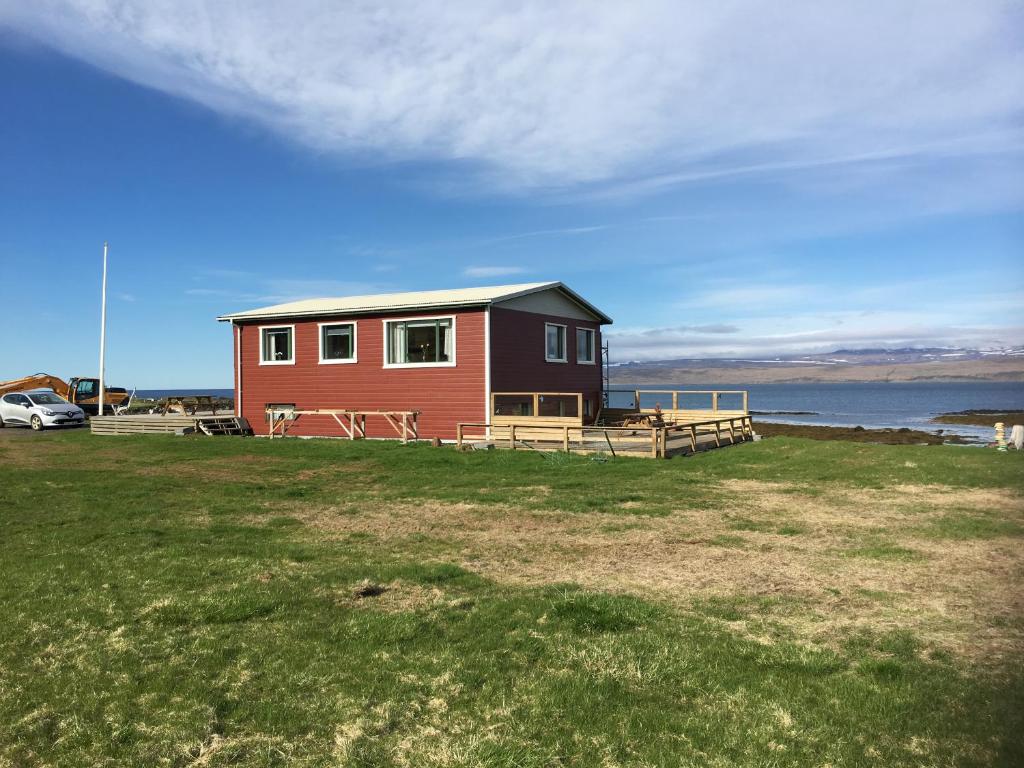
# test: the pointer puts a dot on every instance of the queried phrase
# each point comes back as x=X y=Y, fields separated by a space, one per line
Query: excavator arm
x=86 y=398
x=36 y=381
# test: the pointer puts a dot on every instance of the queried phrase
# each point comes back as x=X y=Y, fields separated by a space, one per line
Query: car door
x=14 y=411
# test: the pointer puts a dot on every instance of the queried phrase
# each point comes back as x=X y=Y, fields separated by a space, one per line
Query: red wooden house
x=442 y=353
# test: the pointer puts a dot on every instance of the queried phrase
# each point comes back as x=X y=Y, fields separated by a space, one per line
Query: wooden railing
x=655 y=441
x=673 y=404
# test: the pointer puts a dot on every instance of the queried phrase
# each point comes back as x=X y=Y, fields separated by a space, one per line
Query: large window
x=554 y=343
x=423 y=341
x=337 y=343
x=585 y=345
x=276 y=346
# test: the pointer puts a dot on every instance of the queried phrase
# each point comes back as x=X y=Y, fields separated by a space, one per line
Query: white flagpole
x=103 y=328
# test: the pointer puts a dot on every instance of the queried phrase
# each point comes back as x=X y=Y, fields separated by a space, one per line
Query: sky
x=736 y=179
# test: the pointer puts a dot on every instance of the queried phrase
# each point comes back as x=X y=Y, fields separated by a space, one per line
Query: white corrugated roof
x=390 y=302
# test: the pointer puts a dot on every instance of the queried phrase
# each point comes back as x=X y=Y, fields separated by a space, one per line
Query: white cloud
x=809 y=334
x=492 y=271
x=544 y=233
x=246 y=288
x=540 y=94
x=745 y=298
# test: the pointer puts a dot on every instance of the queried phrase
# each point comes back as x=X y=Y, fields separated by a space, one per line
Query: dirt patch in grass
x=394 y=597
x=225 y=468
x=966 y=597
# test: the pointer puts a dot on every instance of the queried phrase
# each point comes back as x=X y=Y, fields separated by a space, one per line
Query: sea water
x=872 y=406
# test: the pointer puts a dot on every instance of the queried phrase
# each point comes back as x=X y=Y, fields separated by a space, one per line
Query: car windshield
x=46 y=398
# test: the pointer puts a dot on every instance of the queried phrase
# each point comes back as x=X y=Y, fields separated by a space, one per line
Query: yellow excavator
x=83 y=392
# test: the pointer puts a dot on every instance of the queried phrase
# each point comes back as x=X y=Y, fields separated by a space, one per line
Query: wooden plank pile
x=169 y=424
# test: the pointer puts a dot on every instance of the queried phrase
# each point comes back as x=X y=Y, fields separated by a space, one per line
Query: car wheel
x=37 y=423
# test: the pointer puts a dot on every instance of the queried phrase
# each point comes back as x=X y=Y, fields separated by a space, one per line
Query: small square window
x=554 y=349
x=585 y=345
x=276 y=345
x=338 y=343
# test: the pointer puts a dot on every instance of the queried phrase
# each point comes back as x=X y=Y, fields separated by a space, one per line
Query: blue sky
x=736 y=181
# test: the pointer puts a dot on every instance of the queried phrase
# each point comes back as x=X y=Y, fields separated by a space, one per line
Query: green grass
x=883 y=550
x=159 y=609
x=964 y=526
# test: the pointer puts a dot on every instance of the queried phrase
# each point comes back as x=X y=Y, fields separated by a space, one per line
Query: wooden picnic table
x=644 y=420
x=188 y=404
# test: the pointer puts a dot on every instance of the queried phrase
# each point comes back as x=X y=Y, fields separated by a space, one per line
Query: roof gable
x=551 y=301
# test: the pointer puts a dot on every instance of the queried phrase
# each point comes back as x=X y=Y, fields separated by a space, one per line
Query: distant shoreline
x=704 y=371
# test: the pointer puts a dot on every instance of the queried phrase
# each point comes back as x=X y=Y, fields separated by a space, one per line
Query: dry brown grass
x=963 y=596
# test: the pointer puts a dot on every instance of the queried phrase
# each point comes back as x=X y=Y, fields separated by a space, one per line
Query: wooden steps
x=225 y=425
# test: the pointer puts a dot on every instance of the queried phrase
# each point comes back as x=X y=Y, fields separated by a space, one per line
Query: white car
x=38 y=410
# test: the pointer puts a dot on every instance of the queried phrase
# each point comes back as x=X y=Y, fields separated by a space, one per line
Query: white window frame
x=355 y=346
x=593 y=346
x=455 y=341
x=263 y=328
x=565 y=343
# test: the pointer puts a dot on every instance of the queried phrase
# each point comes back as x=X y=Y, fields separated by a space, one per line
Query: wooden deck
x=168 y=424
x=641 y=430
x=647 y=441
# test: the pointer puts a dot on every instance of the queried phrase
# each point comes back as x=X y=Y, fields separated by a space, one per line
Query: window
x=585 y=345
x=554 y=343
x=513 y=405
x=423 y=341
x=47 y=398
x=274 y=412
x=337 y=343
x=558 y=405
x=86 y=388
x=276 y=345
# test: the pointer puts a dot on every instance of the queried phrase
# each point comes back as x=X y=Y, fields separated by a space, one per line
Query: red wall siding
x=444 y=396
x=517 y=356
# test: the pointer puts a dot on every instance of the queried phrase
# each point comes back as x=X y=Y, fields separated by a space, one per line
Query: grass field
x=221 y=601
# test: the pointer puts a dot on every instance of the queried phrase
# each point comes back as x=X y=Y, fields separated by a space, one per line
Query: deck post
x=714 y=402
x=675 y=400
x=745 y=409
x=693 y=438
x=654 y=442
x=565 y=439
x=512 y=436
x=458 y=436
